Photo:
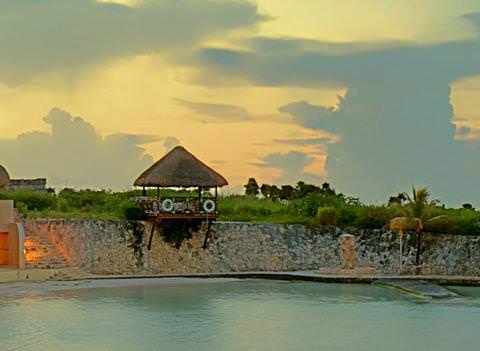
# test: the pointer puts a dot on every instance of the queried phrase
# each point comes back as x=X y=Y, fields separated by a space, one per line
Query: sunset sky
x=371 y=96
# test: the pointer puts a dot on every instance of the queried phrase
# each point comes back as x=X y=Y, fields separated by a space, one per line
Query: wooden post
x=199 y=199
x=149 y=246
x=158 y=193
x=417 y=257
x=207 y=234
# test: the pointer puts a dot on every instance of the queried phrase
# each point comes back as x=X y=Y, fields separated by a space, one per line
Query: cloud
x=316 y=146
x=334 y=67
x=217 y=112
x=74 y=153
x=52 y=35
x=395 y=121
x=292 y=165
x=311 y=116
x=303 y=141
x=170 y=142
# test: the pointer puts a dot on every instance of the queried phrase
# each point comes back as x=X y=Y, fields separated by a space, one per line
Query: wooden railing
x=177 y=205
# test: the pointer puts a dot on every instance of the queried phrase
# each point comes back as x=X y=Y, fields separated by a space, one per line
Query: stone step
x=418 y=288
x=44 y=253
x=69 y=274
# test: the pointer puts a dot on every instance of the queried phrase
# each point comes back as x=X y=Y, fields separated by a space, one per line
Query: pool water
x=237 y=315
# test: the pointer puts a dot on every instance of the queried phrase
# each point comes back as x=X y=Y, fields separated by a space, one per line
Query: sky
x=370 y=96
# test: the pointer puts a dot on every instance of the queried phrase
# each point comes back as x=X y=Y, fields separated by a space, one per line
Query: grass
x=314 y=208
x=251 y=209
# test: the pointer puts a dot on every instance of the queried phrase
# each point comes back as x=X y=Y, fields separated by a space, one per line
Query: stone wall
x=116 y=247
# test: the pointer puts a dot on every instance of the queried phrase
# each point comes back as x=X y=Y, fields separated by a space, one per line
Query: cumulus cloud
x=292 y=166
x=395 y=122
x=74 y=153
x=36 y=37
x=311 y=116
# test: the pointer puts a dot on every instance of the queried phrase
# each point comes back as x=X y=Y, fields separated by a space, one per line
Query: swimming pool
x=235 y=315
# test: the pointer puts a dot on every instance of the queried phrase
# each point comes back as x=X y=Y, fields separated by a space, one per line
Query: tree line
x=287 y=192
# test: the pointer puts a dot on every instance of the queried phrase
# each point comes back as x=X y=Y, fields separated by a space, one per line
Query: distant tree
x=287 y=192
x=468 y=206
x=251 y=188
x=303 y=189
x=275 y=192
x=266 y=190
x=397 y=200
x=327 y=190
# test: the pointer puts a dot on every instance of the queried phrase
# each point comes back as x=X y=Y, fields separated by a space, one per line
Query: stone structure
x=347 y=251
x=119 y=247
x=38 y=184
x=11 y=237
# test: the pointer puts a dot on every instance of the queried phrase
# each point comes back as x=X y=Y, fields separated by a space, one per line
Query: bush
x=32 y=200
x=440 y=224
x=467 y=222
x=309 y=205
x=176 y=232
x=373 y=217
x=132 y=212
x=327 y=216
x=62 y=205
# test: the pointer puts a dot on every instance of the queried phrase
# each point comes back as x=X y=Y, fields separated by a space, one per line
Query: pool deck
x=352 y=277
x=314 y=276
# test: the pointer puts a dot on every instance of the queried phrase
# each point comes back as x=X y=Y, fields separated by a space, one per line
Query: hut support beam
x=149 y=246
x=207 y=234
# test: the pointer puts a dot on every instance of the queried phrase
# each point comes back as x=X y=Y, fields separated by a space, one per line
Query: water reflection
x=256 y=315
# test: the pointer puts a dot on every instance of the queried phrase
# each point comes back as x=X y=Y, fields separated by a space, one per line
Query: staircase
x=41 y=253
x=69 y=274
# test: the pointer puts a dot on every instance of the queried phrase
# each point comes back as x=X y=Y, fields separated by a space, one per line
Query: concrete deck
x=414 y=283
x=305 y=276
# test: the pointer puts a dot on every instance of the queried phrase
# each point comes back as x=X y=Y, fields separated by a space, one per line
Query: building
x=38 y=184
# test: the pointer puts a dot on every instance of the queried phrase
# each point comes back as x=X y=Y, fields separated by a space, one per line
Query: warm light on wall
x=31 y=253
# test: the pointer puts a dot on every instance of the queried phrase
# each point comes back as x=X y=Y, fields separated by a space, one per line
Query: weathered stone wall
x=102 y=247
x=115 y=247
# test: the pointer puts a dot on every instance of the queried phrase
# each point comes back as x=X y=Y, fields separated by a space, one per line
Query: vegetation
x=303 y=203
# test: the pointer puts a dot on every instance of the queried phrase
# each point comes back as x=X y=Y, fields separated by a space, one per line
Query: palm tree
x=418 y=209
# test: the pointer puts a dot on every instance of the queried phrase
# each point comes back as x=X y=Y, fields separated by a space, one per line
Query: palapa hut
x=180 y=169
x=4 y=177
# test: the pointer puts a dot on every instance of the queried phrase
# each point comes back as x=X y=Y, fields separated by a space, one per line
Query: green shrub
x=174 y=232
x=62 y=205
x=22 y=208
x=327 y=216
x=33 y=200
x=373 y=217
x=440 y=224
x=467 y=223
x=132 y=212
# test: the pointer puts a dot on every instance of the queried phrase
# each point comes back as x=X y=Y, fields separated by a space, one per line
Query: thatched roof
x=179 y=168
x=4 y=177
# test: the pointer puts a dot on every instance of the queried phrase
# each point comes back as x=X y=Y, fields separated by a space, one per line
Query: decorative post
x=347 y=251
